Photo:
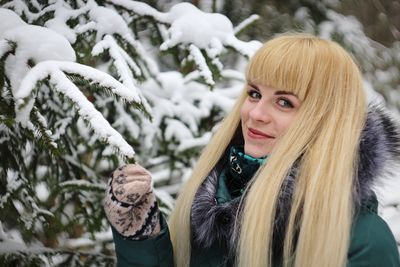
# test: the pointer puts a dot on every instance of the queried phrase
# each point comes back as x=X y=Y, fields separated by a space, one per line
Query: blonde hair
x=324 y=136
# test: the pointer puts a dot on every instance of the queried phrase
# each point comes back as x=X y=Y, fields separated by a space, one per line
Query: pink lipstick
x=253 y=133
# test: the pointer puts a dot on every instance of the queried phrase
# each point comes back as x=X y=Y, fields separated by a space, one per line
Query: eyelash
x=288 y=103
x=254 y=94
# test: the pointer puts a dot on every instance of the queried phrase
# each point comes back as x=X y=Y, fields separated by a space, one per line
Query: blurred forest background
x=100 y=83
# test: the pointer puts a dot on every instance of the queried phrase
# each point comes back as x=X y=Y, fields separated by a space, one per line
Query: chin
x=258 y=155
x=256 y=152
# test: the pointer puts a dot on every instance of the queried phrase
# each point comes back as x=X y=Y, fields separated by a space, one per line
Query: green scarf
x=236 y=174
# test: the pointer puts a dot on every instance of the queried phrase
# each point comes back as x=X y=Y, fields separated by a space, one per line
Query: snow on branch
x=150 y=65
x=247 y=49
x=189 y=25
x=86 y=241
x=108 y=21
x=352 y=32
x=122 y=61
x=201 y=63
x=5 y=47
x=14 y=182
x=194 y=142
x=55 y=71
x=137 y=7
x=9 y=20
x=43 y=69
x=82 y=184
x=33 y=44
x=245 y=23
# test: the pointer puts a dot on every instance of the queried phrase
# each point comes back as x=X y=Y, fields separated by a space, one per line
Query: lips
x=253 y=133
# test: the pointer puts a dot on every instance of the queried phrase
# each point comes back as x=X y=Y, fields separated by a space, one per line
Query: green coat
x=372 y=245
x=371 y=242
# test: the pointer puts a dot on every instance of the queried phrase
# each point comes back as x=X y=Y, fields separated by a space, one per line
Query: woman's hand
x=130 y=204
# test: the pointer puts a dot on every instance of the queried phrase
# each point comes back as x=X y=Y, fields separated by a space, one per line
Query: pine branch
x=42 y=132
x=63 y=85
x=245 y=24
x=89 y=86
x=77 y=185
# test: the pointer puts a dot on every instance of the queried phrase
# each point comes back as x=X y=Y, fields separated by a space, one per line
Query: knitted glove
x=130 y=204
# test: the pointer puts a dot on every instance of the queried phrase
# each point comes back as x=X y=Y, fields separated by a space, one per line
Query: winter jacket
x=372 y=244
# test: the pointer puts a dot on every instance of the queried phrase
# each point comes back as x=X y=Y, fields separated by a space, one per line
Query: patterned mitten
x=130 y=204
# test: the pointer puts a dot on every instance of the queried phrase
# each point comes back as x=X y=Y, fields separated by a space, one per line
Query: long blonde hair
x=324 y=136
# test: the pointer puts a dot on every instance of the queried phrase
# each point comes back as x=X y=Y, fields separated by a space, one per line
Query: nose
x=260 y=112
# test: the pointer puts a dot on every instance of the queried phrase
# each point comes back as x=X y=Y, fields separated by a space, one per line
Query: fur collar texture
x=379 y=148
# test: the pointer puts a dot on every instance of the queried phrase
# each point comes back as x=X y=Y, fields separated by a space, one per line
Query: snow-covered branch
x=245 y=23
x=55 y=70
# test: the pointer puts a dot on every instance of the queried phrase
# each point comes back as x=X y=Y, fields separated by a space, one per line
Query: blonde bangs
x=286 y=65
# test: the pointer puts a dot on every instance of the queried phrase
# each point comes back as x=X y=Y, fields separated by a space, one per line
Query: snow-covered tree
x=89 y=85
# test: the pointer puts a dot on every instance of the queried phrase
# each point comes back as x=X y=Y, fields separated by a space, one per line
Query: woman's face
x=265 y=116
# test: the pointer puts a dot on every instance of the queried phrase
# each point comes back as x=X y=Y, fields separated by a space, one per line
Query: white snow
x=37 y=44
x=190 y=25
x=58 y=25
x=176 y=130
x=160 y=176
x=351 y=30
x=372 y=95
x=189 y=101
x=194 y=142
x=9 y=20
x=246 y=23
x=86 y=109
x=41 y=70
x=107 y=21
x=122 y=60
x=61 y=127
x=137 y=7
x=125 y=120
x=200 y=61
x=13 y=183
x=165 y=198
x=42 y=191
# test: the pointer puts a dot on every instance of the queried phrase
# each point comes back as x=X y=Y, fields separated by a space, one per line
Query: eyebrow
x=254 y=86
x=281 y=92
x=285 y=93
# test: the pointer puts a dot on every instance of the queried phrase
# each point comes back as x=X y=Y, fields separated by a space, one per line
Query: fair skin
x=265 y=115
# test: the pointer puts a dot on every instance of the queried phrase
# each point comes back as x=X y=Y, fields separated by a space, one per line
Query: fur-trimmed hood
x=379 y=148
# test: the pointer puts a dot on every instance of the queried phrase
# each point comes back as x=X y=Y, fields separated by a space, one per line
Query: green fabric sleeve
x=152 y=252
x=372 y=243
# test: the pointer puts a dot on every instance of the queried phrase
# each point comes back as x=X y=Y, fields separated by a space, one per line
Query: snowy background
x=89 y=85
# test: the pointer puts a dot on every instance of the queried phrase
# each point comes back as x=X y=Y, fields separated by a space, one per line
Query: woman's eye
x=285 y=103
x=254 y=94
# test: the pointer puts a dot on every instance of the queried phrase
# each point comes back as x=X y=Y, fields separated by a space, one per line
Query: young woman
x=285 y=181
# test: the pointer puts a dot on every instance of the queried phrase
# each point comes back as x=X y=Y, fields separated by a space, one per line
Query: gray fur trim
x=211 y=222
x=379 y=146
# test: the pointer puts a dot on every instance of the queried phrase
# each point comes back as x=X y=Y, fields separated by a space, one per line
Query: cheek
x=284 y=123
x=244 y=113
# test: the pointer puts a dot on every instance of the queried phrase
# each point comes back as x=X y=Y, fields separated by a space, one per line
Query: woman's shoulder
x=372 y=243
